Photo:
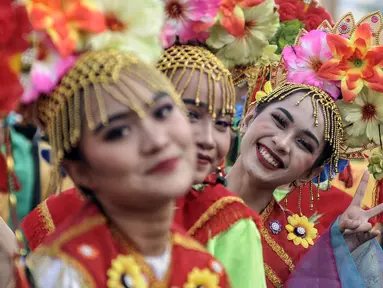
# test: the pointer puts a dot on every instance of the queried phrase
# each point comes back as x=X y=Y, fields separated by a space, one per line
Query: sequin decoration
x=374 y=19
x=300 y=232
x=275 y=227
x=344 y=28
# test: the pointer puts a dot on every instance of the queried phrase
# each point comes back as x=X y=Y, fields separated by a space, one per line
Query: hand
x=8 y=246
x=353 y=223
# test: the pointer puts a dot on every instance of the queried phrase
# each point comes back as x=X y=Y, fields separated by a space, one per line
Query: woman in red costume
x=209 y=212
x=282 y=145
x=117 y=126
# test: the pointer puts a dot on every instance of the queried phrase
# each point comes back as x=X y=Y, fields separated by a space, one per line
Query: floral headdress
x=236 y=31
x=242 y=38
x=66 y=28
x=83 y=46
x=345 y=61
x=355 y=65
x=15 y=28
x=296 y=15
x=187 y=29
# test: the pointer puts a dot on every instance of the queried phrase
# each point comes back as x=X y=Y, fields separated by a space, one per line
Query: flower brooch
x=301 y=231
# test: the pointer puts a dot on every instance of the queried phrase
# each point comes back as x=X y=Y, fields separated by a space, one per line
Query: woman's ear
x=79 y=172
x=246 y=121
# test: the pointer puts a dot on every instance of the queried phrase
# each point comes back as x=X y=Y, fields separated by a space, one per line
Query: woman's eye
x=117 y=133
x=279 y=120
x=163 y=112
x=306 y=146
x=193 y=116
x=222 y=125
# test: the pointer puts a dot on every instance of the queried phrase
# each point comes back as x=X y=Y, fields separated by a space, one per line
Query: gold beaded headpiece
x=60 y=112
x=320 y=100
x=198 y=59
x=85 y=64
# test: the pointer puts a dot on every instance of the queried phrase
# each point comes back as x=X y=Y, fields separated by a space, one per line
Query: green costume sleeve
x=279 y=194
x=240 y=251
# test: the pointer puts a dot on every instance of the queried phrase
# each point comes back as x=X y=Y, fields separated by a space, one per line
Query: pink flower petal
x=299 y=62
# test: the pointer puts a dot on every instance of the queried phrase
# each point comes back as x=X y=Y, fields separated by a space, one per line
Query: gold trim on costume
x=212 y=211
x=188 y=243
x=271 y=242
x=55 y=251
x=272 y=276
x=46 y=217
x=84 y=226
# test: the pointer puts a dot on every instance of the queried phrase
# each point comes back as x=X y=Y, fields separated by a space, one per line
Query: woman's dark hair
x=327 y=150
x=76 y=155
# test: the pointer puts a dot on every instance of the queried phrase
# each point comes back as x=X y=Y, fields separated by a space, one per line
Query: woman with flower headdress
x=227 y=227
x=209 y=212
x=281 y=145
x=15 y=27
x=104 y=102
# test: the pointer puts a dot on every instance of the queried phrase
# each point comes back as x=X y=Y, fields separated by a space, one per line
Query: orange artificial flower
x=356 y=62
x=63 y=20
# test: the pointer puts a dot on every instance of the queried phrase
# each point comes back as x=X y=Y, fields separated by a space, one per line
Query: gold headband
x=333 y=121
x=199 y=59
x=60 y=112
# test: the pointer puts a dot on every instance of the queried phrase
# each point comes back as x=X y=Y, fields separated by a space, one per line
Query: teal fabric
x=361 y=268
x=25 y=171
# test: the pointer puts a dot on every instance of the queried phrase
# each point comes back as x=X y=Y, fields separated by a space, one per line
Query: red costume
x=210 y=211
x=279 y=253
x=88 y=243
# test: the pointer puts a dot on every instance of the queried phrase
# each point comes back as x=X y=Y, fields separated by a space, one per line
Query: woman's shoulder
x=209 y=210
x=43 y=220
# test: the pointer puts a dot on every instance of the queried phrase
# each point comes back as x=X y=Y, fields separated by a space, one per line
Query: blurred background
x=359 y=7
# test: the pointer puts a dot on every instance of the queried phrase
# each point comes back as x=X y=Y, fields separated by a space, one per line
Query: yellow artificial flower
x=132 y=26
x=125 y=272
x=267 y=89
x=202 y=278
x=269 y=56
x=301 y=230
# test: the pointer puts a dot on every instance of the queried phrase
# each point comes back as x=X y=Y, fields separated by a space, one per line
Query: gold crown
x=346 y=26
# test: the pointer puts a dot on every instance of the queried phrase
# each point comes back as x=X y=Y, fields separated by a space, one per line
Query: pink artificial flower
x=304 y=60
x=191 y=18
x=168 y=36
x=45 y=75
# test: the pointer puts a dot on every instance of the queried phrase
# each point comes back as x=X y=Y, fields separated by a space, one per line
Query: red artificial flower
x=10 y=87
x=289 y=9
x=14 y=28
x=314 y=16
x=312 y=21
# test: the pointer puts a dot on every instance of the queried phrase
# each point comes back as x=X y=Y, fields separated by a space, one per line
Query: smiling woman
x=127 y=116
x=118 y=127
x=289 y=134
